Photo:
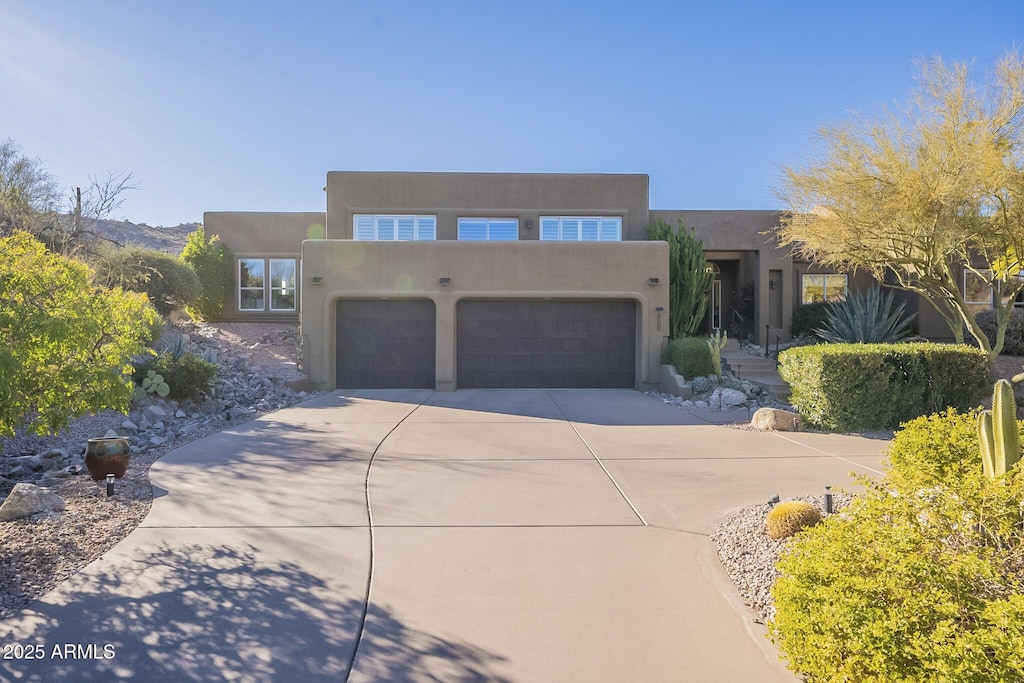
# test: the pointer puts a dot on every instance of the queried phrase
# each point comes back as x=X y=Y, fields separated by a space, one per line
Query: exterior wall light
x=446 y=281
x=317 y=280
x=529 y=224
x=653 y=281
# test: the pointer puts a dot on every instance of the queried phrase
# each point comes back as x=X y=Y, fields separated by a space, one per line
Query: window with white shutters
x=581 y=228
x=491 y=229
x=371 y=227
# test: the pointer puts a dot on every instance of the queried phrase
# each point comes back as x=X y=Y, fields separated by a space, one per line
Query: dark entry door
x=386 y=344
x=517 y=343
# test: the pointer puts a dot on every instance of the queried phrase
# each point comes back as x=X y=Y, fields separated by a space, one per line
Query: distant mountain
x=167 y=239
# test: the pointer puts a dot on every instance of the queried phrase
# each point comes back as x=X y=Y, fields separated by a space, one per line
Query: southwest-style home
x=489 y=280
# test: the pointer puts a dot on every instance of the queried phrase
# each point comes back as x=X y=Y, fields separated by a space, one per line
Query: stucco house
x=459 y=280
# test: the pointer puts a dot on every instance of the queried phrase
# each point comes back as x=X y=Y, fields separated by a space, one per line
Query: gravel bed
x=749 y=555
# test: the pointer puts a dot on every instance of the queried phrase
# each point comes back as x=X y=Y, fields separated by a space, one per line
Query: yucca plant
x=865 y=318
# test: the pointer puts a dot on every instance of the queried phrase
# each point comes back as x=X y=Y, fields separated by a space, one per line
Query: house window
x=823 y=287
x=492 y=229
x=581 y=228
x=253 y=284
x=977 y=290
x=370 y=227
x=282 y=284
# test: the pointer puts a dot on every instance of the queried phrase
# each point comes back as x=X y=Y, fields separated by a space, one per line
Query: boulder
x=111 y=434
x=777 y=419
x=728 y=398
x=29 y=499
x=130 y=426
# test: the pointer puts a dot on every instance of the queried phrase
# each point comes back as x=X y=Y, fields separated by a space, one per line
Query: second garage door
x=528 y=343
x=385 y=344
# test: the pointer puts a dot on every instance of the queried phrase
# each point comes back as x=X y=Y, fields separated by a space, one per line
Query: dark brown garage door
x=385 y=344
x=547 y=344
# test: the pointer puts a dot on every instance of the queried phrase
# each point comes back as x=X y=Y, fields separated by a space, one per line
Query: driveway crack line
x=606 y=472
x=369 y=521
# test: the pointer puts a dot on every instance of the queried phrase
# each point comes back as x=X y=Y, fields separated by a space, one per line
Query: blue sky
x=220 y=105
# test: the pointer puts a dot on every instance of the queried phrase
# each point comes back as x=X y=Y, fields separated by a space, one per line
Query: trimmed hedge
x=690 y=356
x=848 y=387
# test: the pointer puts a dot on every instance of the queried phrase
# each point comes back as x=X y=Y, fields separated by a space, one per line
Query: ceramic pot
x=107 y=456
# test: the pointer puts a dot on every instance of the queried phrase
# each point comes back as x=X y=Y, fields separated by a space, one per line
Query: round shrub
x=919 y=579
x=786 y=519
x=690 y=356
x=169 y=283
x=186 y=376
x=700 y=384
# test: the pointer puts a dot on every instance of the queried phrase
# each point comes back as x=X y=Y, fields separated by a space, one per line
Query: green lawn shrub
x=690 y=356
x=920 y=579
x=214 y=265
x=1013 y=342
x=187 y=376
x=169 y=283
x=807 y=318
x=846 y=387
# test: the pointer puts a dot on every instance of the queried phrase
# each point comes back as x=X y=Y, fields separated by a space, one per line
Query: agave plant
x=866 y=318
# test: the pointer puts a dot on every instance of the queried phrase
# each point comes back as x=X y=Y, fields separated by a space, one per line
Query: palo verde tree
x=65 y=345
x=689 y=277
x=28 y=193
x=926 y=192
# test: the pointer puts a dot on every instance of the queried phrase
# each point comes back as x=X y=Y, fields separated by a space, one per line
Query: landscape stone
x=130 y=426
x=179 y=413
x=727 y=398
x=28 y=499
x=110 y=434
x=777 y=419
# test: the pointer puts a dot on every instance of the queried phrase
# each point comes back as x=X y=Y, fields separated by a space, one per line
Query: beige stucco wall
x=524 y=270
x=263 y=235
x=449 y=196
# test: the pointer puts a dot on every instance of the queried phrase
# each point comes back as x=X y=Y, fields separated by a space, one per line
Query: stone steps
x=756 y=369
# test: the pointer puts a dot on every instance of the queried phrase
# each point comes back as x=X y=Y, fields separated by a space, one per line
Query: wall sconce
x=771 y=284
x=446 y=281
x=317 y=280
x=529 y=224
x=653 y=281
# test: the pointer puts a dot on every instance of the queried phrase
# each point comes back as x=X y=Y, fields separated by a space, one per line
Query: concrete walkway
x=523 y=535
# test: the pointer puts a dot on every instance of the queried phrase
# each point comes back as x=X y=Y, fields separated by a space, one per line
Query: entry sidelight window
x=581 y=228
x=378 y=227
x=255 y=288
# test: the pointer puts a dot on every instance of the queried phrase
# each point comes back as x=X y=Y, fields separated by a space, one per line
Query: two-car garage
x=499 y=343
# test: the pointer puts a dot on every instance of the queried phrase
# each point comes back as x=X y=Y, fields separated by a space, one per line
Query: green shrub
x=690 y=356
x=919 y=579
x=169 y=283
x=212 y=262
x=187 y=376
x=807 y=318
x=845 y=387
x=1013 y=342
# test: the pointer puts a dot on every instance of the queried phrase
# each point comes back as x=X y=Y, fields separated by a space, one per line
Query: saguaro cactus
x=997 y=432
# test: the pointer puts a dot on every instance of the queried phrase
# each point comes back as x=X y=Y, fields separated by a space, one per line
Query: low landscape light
x=110 y=485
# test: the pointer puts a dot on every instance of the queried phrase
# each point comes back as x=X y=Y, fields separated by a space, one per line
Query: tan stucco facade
x=479 y=270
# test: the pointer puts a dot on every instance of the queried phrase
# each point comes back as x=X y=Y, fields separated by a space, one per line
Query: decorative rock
x=157 y=440
x=130 y=426
x=159 y=425
x=28 y=499
x=727 y=398
x=156 y=410
x=778 y=420
x=111 y=434
x=179 y=413
x=55 y=454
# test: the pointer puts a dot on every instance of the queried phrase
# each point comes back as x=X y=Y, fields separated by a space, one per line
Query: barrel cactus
x=997 y=432
x=785 y=519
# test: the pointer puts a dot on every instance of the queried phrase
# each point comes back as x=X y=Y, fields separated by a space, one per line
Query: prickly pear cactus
x=153 y=383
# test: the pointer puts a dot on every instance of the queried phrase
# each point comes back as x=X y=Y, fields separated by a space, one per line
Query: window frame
x=578 y=223
x=267 y=289
x=423 y=224
x=487 y=228
x=991 y=290
x=824 y=287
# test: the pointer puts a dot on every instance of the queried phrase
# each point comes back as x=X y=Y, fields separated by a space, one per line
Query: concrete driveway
x=521 y=535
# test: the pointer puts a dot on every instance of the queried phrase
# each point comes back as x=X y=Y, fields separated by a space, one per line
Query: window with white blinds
x=581 y=228
x=492 y=229
x=370 y=227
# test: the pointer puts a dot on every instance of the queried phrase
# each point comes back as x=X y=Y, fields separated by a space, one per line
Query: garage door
x=548 y=344
x=385 y=344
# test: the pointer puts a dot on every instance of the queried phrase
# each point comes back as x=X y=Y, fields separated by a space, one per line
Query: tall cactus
x=716 y=342
x=997 y=432
x=689 y=277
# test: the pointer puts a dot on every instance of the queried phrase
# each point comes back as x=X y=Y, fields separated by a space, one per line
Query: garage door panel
x=546 y=343
x=386 y=344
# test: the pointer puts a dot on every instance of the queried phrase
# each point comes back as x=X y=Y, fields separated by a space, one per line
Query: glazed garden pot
x=107 y=456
